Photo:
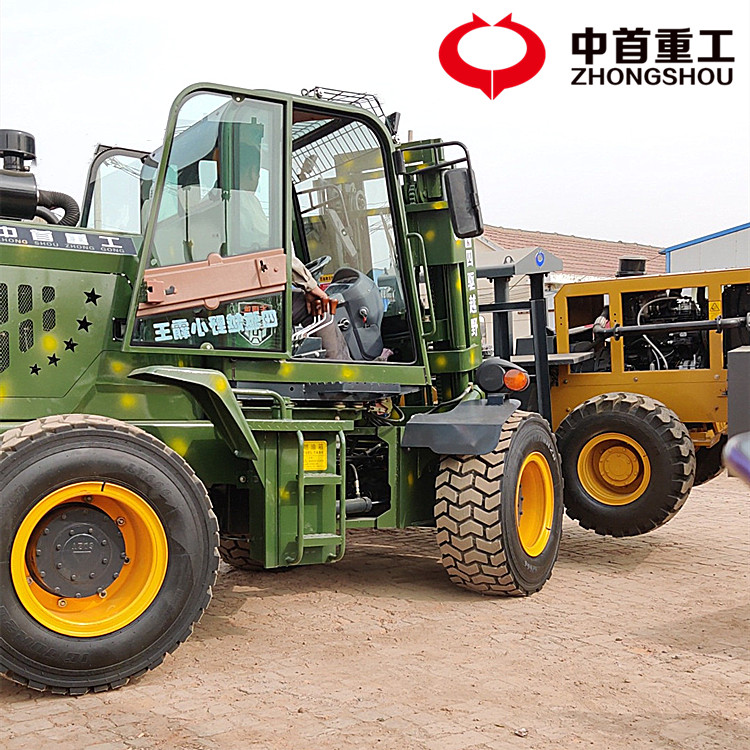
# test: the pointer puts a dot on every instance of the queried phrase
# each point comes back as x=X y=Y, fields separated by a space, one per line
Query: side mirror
x=463 y=202
x=392 y=121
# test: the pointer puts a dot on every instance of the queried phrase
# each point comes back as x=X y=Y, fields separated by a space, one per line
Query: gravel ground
x=633 y=643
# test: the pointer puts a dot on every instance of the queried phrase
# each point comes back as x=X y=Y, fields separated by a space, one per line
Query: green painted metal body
x=71 y=352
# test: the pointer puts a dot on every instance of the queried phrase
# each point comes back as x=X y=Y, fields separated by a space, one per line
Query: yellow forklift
x=633 y=380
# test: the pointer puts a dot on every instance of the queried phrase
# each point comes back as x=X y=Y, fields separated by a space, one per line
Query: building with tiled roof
x=583 y=259
x=580 y=255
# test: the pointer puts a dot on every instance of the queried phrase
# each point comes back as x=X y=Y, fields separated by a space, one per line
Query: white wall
x=727 y=251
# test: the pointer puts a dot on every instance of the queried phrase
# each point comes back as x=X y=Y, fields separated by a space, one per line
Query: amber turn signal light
x=516 y=380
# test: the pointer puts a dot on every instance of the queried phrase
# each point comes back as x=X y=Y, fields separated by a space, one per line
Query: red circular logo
x=492 y=82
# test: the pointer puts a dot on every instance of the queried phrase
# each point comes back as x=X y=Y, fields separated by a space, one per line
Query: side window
x=345 y=223
x=113 y=196
x=343 y=199
x=216 y=269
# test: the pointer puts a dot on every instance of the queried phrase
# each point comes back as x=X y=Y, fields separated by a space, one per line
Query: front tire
x=499 y=516
x=107 y=553
x=628 y=464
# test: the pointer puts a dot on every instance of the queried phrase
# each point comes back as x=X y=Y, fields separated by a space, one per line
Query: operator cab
x=241 y=192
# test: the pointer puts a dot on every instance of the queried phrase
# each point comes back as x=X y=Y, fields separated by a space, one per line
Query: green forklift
x=258 y=336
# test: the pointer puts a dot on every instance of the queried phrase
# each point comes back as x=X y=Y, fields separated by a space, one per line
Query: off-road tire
x=475 y=513
x=666 y=443
x=55 y=453
x=235 y=551
x=708 y=462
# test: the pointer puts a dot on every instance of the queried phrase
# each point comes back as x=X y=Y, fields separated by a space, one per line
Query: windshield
x=216 y=270
x=223 y=190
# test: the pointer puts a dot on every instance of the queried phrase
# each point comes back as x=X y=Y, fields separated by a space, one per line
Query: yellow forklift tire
x=628 y=464
x=108 y=552
x=499 y=516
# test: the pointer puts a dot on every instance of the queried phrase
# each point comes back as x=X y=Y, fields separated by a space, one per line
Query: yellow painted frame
x=696 y=396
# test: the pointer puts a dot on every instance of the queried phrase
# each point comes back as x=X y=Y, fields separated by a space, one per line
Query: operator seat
x=359 y=315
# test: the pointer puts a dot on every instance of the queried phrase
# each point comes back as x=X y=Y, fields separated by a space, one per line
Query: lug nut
x=102 y=593
x=104 y=542
x=92 y=575
x=115 y=575
x=87 y=499
x=42 y=574
x=58 y=566
x=64 y=516
x=104 y=561
x=126 y=561
x=46 y=531
x=62 y=603
x=39 y=550
x=120 y=521
x=58 y=547
x=73 y=577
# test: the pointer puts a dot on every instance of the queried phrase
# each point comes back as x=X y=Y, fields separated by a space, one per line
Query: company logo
x=669 y=57
x=492 y=82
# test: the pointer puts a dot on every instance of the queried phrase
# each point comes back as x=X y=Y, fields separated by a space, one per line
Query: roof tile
x=580 y=255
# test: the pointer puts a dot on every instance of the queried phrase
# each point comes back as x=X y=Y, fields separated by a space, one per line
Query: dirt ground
x=633 y=643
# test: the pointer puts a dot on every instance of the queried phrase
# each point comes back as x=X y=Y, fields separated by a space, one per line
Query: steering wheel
x=317 y=265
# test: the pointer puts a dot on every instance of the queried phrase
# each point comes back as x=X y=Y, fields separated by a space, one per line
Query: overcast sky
x=652 y=164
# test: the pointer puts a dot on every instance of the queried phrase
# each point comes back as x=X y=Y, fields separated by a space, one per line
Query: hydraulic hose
x=47 y=215
x=51 y=199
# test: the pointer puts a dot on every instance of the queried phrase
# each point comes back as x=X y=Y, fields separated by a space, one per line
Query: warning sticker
x=316 y=455
x=714 y=309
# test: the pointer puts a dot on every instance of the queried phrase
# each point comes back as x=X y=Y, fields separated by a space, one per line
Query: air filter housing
x=633 y=265
x=18 y=191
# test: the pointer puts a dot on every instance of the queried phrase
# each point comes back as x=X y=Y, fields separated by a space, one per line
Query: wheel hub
x=619 y=465
x=614 y=468
x=76 y=551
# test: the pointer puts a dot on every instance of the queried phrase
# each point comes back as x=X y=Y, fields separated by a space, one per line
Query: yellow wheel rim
x=535 y=504
x=614 y=469
x=131 y=588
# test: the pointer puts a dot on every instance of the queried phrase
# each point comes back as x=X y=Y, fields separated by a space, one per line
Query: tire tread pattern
x=677 y=445
x=235 y=551
x=467 y=514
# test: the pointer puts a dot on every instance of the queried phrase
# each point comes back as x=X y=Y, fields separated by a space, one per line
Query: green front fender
x=211 y=389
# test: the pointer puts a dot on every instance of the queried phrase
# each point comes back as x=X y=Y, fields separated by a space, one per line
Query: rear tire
x=708 y=462
x=75 y=617
x=628 y=464
x=499 y=516
x=235 y=551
